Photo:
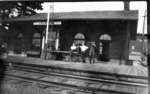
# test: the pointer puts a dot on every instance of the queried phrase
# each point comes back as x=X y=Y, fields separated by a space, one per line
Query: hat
x=93 y=44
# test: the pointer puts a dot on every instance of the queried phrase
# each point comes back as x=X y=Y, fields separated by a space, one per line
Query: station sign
x=50 y=23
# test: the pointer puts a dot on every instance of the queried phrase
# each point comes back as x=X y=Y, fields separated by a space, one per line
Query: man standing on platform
x=83 y=50
x=3 y=50
x=72 y=48
x=92 y=53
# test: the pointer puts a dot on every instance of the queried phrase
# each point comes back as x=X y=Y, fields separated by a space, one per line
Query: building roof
x=61 y=0
x=108 y=15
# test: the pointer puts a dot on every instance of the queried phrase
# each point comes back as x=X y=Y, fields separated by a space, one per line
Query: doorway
x=104 y=47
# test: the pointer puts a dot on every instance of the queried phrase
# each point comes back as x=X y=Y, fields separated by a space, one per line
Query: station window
x=36 y=41
x=79 y=38
x=20 y=36
x=105 y=37
x=19 y=44
x=51 y=40
x=20 y=39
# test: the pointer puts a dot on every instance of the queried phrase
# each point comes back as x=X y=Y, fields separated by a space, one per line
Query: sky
x=141 y=6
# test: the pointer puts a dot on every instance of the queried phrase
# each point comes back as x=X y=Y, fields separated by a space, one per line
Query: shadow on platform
x=2 y=72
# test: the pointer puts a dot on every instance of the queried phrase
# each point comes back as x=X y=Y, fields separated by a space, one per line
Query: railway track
x=122 y=79
x=72 y=81
x=110 y=81
x=68 y=83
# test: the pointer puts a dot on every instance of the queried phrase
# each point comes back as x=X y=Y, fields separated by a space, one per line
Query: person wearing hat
x=83 y=50
x=72 y=48
x=92 y=53
x=3 y=50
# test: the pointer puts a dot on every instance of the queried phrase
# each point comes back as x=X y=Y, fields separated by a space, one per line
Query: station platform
x=112 y=66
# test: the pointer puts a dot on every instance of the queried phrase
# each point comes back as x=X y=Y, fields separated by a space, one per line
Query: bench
x=60 y=55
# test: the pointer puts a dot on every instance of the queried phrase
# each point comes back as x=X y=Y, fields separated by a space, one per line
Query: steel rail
x=64 y=85
x=84 y=77
x=82 y=71
x=78 y=70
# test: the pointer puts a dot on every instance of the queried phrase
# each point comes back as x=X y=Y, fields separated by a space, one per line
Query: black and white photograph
x=74 y=47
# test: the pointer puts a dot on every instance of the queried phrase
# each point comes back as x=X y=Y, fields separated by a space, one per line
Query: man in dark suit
x=92 y=53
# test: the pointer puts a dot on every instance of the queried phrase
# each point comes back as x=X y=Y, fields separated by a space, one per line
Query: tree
x=13 y=9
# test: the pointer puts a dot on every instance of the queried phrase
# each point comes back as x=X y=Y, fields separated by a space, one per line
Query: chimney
x=126 y=5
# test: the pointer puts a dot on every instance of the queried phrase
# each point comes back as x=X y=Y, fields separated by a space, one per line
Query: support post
x=127 y=43
x=57 y=41
x=126 y=50
x=148 y=37
x=148 y=60
x=143 y=33
x=42 y=47
x=45 y=36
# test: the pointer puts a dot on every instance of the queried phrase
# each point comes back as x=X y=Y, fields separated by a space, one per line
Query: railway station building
x=111 y=31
